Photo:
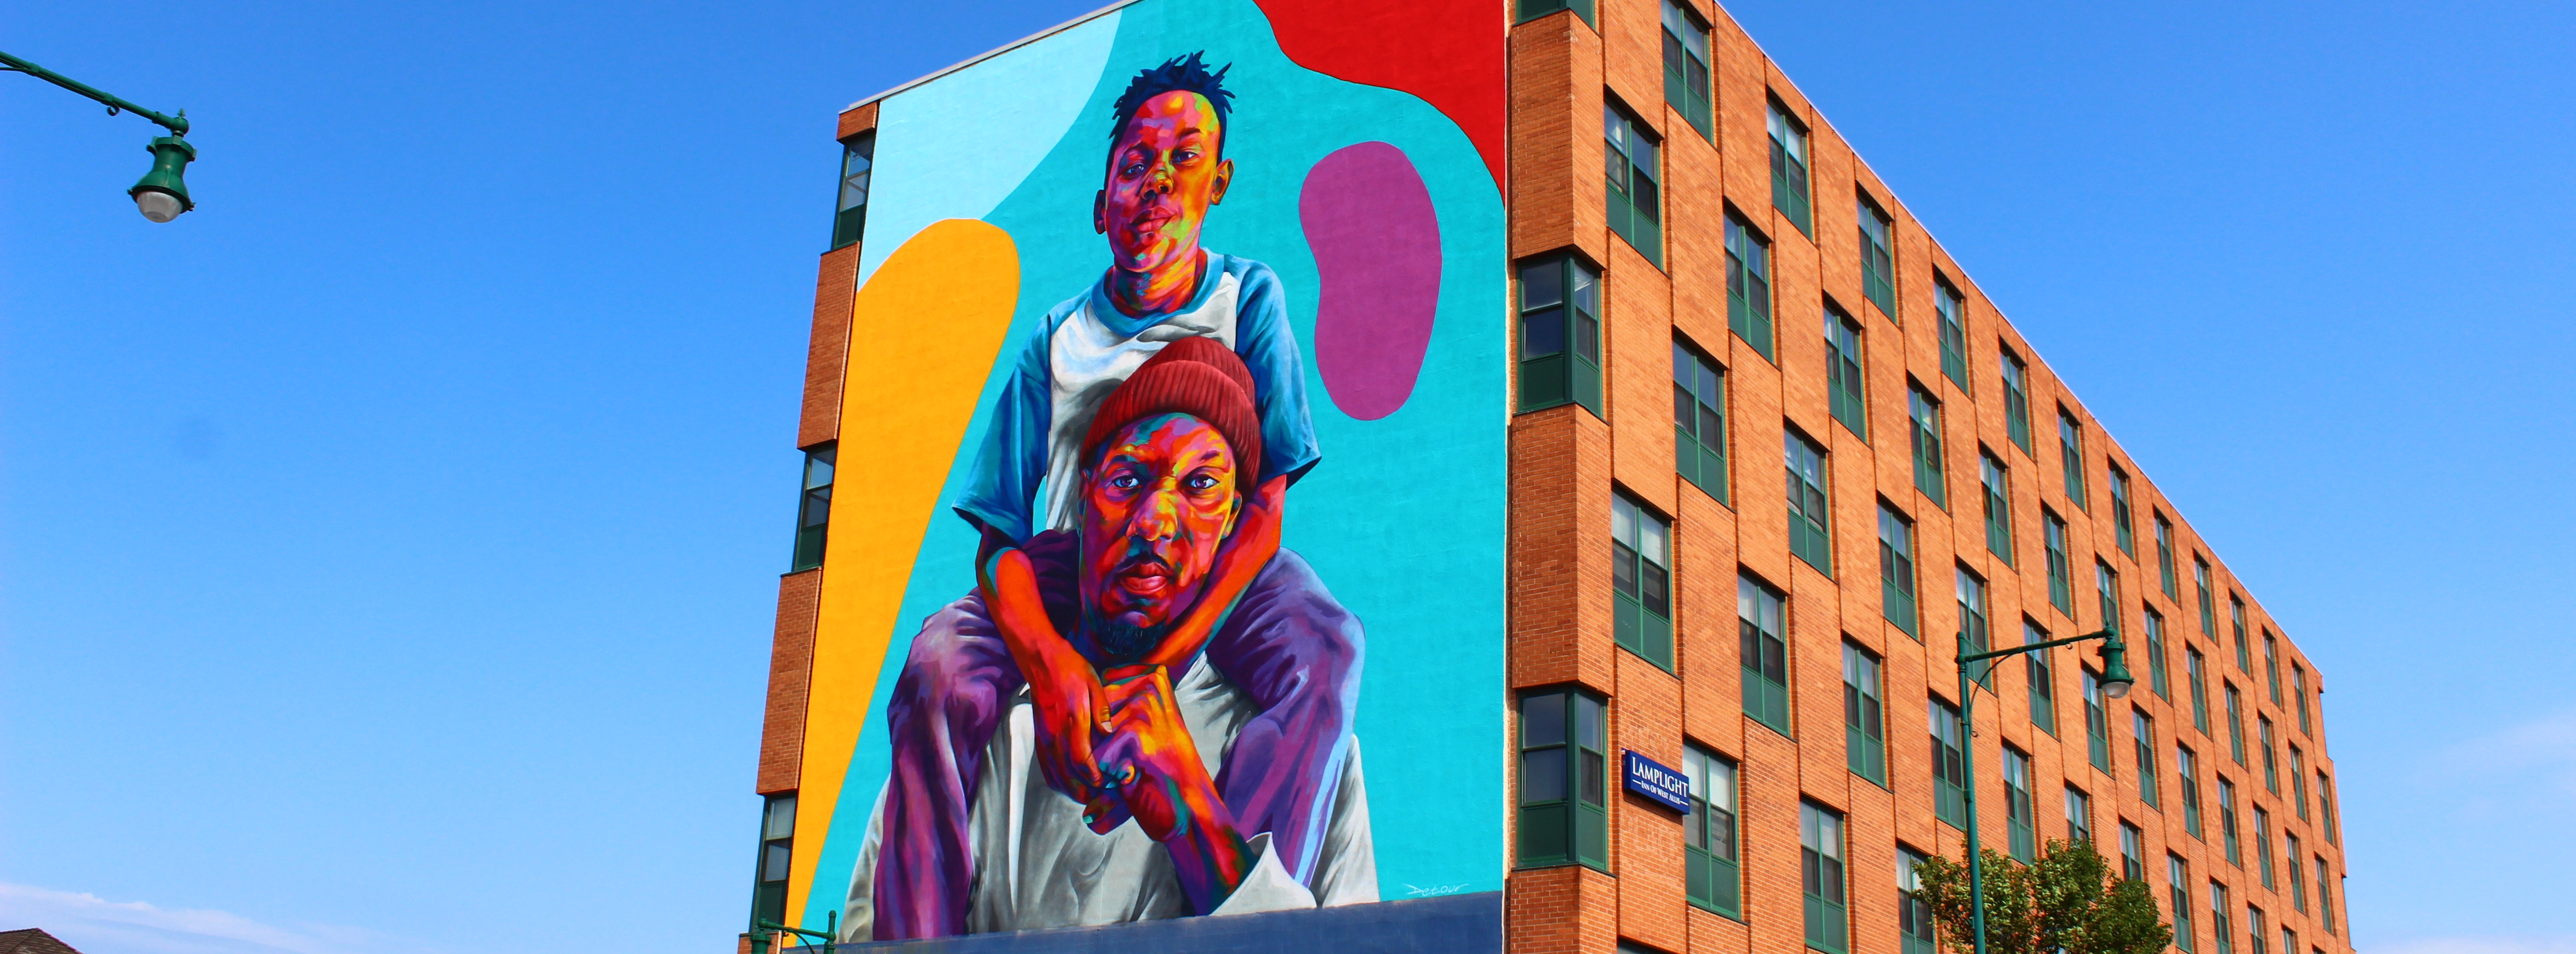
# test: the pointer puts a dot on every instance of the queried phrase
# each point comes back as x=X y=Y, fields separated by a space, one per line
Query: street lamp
x=2115 y=684
x=161 y=195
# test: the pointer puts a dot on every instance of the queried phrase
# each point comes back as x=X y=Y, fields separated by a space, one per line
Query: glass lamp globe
x=2118 y=689
x=157 y=205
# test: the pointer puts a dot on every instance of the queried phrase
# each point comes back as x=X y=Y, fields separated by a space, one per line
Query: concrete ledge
x=1457 y=924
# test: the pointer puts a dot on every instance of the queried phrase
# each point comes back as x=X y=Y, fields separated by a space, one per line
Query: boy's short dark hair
x=1186 y=74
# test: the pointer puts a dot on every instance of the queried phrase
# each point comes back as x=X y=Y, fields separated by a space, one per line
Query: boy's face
x=1163 y=174
x=1155 y=508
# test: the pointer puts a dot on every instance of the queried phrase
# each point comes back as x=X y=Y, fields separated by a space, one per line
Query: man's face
x=1155 y=507
x=1163 y=174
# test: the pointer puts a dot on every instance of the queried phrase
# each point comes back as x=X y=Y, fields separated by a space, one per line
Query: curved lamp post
x=161 y=194
x=2115 y=684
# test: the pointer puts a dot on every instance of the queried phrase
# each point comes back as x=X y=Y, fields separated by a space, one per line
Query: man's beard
x=1122 y=642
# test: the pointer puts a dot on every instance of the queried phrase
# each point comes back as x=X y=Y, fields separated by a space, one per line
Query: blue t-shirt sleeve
x=1268 y=346
x=1012 y=459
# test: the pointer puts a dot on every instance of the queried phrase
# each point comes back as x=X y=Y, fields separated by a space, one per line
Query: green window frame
x=2165 y=560
x=1972 y=624
x=1699 y=420
x=1896 y=578
x=1534 y=9
x=2257 y=931
x=1810 y=512
x=2043 y=678
x=813 y=508
x=1926 y=416
x=2289 y=941
x=2122 y=532
x=1564 y=780
x=2325 y=896
x=2236 y=615
x=2235 y=721
x=1686 y=67
x=2271 y=764
x=2299 y=782
x=1949 y=766
x=1560 y=333
x=2272 y=664
x=2196 y=668
x=2157 y=677
x=2298 y=883
x=776 y=859
x=2178 y=886
x=2208 y=608
x=2016 y=375
x=1844 y=379
x=2187 y=785
x=850 y=212
x=1997 y=483
x=2142 y=729
x=1763 y=647
x=1748 y=286
x=1952 y=310
x=1821 y=878
x=2079 y=815
x=2326 y=809
x=2263 y=843
x=2219 y=929
x=2299 y=691
x=2227 y=828
x=1712 y=860
x=1864 y=714
x=2022 y=831
x=2061 y=571
x=1877 y=259
x=2097 y=722
x=1634 y=180
x=1789 y=185
x=2070 y=451
x=2133 y=852
x=1641 y=580
x=1914 y=923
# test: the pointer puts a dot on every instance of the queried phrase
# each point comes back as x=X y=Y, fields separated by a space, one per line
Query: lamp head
x=2115 y=667
x=162 y=194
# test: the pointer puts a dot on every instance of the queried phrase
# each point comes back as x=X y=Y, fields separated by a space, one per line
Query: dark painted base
x=1458 y=924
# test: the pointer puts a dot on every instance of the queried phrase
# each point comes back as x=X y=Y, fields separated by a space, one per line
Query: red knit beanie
x=1198 y=376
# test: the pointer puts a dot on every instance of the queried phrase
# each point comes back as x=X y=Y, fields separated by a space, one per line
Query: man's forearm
x=1208 y=854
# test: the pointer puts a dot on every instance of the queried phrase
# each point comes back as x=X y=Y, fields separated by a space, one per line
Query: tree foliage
x=2067 y=902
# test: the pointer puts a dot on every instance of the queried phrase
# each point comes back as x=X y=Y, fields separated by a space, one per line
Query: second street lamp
x=2115 y=684
x=162 y=194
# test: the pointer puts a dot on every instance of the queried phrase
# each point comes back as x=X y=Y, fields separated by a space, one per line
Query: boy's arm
x=1245 y=552
x=1062 y=684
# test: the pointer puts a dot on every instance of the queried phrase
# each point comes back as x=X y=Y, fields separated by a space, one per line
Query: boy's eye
x=1201 y=481
x=1125 y=482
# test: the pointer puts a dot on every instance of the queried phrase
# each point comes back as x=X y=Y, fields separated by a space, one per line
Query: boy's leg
x=957 y=681
x=1297 y=653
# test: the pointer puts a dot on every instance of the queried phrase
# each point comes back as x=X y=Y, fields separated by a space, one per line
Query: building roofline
x=989 y=54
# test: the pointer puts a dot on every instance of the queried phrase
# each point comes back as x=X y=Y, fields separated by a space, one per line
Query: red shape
x=1448 y=52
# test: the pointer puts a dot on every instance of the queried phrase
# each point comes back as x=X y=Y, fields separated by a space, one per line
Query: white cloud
x=2485 y=944
x=2541 y=750
x=99 y=926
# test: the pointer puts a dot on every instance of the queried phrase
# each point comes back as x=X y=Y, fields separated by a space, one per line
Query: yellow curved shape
x=924 y=332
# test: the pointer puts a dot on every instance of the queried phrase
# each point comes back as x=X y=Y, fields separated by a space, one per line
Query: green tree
x=2067 y=902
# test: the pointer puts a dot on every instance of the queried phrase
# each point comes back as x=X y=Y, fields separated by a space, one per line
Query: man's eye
x=1125 y=482
x=1201 y=481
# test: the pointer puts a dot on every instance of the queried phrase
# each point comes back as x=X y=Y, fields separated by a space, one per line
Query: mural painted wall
x=1165 y=575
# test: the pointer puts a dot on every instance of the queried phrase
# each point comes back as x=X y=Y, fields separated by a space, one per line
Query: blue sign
x=1658 y=781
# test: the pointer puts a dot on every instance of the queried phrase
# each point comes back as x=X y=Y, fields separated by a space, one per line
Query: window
x=1699 y=421
x=1820 y=869
x=2221 y=934
x=1927 y=446
x=2272 y=665
x=2289 y=941
x=2156 y=674
x=1953 y=312
x=2200 y=579
x=2187 y=782
x=1972 y=620
x=2143 y=728
x=2298 y=887
x=1998 y=504
x=2326 y=808
x=1748 y=286
x=2016 y=399
x=1843 y=372
x=2197 y=668
x=2097 y=723
x=2122 y=532
x=2271 y=769
x=1636 y=195
x=2178 y=883
x=1913 y=914
x=2263 y=843
x=2043 y=679
x=2107 y=582
x=1534 y=9
x=2236 y=615
x=1560 y=334
x=1686 y=66
x=2018 y=808
x=2070 y=449
x=1765 y=653
x=1896 y=571
x=1789 y=169
x=814 y=508
x=2061 y=583
x=1949 y=766
x=2227 y=832
x=777 y=844
x=1864 y=715
x=2299 y=688
x=2299 y=782
x=1809 y=519
x=2079 y=815
x=2256 y=931
x=1641 y=560
x=2133 y=865
x=1877 y=264
x=2235 y=723
x=2325 y=896
x=1565 y=807
x=1708 y=834
x=850 y=216
x=2165 y=560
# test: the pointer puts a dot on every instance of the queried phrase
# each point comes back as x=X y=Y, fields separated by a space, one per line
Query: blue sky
x=387 y=548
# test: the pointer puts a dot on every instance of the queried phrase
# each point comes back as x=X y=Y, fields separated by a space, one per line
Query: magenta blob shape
x=1369 y=222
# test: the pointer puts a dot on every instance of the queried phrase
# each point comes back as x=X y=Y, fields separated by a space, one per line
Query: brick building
x=1770 y=450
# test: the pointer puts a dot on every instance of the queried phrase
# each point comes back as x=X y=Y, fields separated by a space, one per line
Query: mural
x=1171 y=477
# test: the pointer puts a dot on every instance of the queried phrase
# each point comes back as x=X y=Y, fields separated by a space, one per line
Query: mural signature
x=1433 y=891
